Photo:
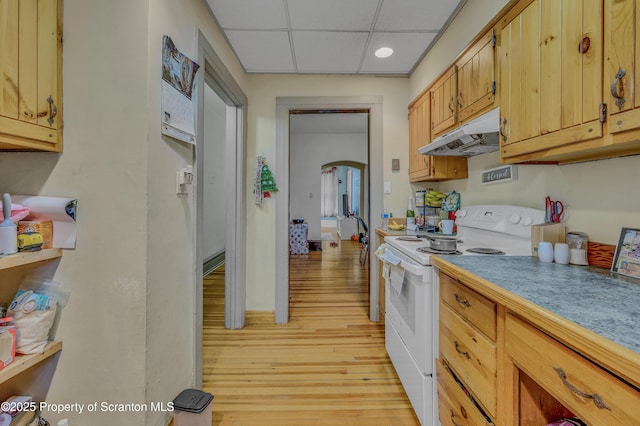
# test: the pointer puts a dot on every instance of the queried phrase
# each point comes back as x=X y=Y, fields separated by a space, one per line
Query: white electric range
x=411 y=297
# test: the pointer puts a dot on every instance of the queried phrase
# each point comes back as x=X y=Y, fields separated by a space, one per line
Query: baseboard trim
x=213 y=263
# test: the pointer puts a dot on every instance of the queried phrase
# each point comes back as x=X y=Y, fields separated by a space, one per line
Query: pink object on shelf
x=18 y=212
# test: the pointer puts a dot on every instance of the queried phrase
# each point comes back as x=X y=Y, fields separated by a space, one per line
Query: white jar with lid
x=578 y=242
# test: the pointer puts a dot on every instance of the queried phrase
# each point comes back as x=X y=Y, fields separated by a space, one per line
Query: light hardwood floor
x=327 y=366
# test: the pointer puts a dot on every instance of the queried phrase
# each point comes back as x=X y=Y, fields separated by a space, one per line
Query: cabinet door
x=622 y=73
x=30 y=63
x=443 y=102
x=476 y=78
x=550 y=60
x=419 y=135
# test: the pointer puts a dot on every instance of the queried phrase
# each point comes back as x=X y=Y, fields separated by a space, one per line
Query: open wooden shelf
x=24 y=362
x=28 y=257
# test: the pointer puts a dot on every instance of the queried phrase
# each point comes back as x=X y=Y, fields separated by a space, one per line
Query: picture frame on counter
x=626 y=260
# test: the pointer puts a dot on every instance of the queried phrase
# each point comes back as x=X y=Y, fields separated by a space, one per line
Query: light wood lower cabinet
x=506 y=363
x=467 y=351
x=563 y=378
x=456 y=408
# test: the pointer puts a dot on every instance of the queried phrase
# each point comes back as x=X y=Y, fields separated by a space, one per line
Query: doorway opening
x=220 y=125
x=343 y=200
x=304 y=192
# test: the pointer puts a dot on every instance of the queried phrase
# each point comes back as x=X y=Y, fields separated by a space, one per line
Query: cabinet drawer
x=477 y=309
x=471 y=356
x=583 y=383
x=454 y=406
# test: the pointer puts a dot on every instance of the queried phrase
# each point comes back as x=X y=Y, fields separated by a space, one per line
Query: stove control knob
x=515 y=218
x=527 y=221
x=461 y=213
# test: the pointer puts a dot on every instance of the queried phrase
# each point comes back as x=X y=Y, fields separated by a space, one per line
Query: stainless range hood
x=478 y=136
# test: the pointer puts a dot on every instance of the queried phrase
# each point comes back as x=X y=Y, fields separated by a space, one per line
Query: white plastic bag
x=34 y=310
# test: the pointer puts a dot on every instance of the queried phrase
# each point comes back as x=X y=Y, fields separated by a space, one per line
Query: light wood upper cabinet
x=419 y=135
x=621 y=69
x=476 y=78
x=550 y=66
x=424 y=168
x=466 y=88
x=443 y=102
x=31 y=75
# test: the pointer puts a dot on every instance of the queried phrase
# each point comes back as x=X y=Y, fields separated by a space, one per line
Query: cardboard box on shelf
x=38 y=224
x=7 y=343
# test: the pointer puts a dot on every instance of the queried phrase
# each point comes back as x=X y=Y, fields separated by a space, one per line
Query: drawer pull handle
x=465 y=354
x=463 y=302
x=453 y=421
x=597 y=399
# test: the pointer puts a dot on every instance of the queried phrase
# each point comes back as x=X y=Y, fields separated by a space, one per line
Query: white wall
x=600 y=197
x=171 y=221
x=127 y=331
x=104 y=164
x=215 y=126
x=262 y=91
x=308 y=153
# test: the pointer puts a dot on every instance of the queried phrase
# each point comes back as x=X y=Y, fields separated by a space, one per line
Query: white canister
x=561 y=253
x=8 y=239
x=8 y=229
x=545 y=252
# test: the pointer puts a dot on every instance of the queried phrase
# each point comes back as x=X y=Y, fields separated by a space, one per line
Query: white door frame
x=216 y=75
x=283 y=106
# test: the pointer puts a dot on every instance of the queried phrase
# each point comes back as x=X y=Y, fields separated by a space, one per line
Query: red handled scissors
x=554 y=210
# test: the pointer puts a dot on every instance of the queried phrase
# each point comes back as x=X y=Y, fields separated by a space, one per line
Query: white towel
x=396 y=278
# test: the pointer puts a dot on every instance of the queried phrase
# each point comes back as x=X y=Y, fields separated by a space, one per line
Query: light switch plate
x=395 y=165
x=387 y=187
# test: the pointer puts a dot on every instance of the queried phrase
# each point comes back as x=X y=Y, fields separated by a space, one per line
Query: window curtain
x=349 y=191
x=329 y=190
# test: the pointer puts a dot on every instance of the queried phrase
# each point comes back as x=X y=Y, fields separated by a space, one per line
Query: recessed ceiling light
x=384 y=52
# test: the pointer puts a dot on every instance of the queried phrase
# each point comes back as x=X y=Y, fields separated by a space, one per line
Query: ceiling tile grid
x=331 y=36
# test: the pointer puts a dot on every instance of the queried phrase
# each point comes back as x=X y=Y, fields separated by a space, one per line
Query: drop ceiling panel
x=328 y=52
x=349 y=15
x=331 y=36
x=262 y=51
x=249 y=14
x=414 y=15
x=407 y=49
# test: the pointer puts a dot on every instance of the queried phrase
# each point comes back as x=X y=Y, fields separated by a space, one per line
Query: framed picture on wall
x=626 y=260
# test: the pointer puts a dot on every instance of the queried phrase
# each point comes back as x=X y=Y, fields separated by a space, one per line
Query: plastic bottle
x=8 y=229
x=411 y=214
x=385 y=220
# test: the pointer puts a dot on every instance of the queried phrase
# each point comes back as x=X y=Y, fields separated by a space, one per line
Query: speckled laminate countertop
x=596 y=299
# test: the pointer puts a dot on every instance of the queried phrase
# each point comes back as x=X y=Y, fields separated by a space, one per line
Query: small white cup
x=561 y=253
x=545 y=252
x=446 y=226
